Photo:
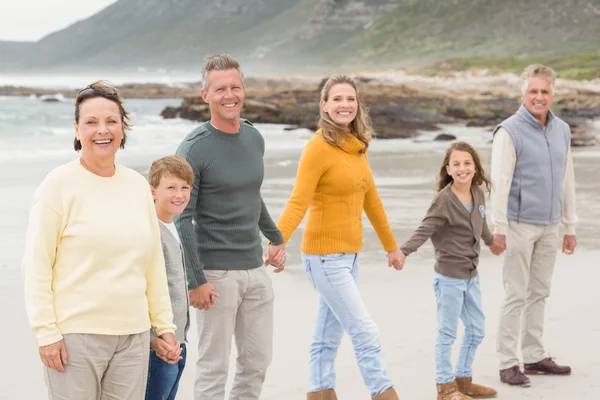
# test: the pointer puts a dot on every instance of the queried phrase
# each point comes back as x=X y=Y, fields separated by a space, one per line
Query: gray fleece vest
x=536 y=192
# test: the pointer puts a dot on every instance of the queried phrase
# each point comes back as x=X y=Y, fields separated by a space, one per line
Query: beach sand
x=401 y=303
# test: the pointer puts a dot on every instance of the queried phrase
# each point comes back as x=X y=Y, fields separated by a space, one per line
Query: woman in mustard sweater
x=93 y=269
x=334 y=183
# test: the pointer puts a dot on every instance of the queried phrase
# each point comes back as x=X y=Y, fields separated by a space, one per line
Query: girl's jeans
x=457 y=299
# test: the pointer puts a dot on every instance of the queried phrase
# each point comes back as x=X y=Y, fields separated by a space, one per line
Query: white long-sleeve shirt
x=504 y=159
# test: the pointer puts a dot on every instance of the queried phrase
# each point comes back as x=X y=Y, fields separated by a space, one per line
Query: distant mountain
x=10 y=48
x=297 y=35
x=438 y=29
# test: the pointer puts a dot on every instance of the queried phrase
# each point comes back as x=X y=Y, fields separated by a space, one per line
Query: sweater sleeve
x=313 y=164
x=376 y=214
x=43 y=235
x=157 y=289
x=184 y=223
x=267 y=226
x=434 y=220
x=265 y=223
x=486 y=235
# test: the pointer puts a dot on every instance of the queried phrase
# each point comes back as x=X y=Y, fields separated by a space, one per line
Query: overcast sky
x=34 y=19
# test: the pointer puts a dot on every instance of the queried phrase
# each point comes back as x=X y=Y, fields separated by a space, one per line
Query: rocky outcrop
x=444 y=137
x=396 y=110
x=393 y=113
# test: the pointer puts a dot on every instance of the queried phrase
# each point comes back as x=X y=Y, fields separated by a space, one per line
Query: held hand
x=54 y=355
x=213 y=297
x=275 y=256
x=569 y=244
x=396 y=259
x=495 y=250
x=498 y=245
x=173 y=354
x=161 y=348
x=203 y=296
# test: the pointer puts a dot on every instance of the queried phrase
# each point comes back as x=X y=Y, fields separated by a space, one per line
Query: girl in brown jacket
x=456 y=224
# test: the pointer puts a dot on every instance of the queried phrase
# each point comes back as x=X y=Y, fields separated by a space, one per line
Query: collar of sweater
x=349 y=143
x=352 y=145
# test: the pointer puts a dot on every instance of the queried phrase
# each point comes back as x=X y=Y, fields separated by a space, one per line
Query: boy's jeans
x=457 y=299
x=342 y=309
x=163 y=378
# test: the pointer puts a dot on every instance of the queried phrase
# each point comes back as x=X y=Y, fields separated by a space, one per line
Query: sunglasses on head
x=89 y=90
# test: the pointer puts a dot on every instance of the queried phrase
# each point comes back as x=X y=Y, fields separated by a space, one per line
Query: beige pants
x=102 y=367
x=528 y=266
x=244 y=309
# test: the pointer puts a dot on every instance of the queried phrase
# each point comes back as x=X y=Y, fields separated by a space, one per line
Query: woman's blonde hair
x=360 y=127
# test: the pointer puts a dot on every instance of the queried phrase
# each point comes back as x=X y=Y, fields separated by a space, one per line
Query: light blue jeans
x=342 y=309
x=457 y=299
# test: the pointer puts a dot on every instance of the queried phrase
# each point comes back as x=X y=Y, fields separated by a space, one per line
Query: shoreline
x=400 y=105
x=472 y=83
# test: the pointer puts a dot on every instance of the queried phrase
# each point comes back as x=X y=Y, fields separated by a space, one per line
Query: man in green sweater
x=220 y=236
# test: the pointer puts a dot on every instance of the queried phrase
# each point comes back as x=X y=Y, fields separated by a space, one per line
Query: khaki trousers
x=244 y=309
x=102 y=367
x=528 y=267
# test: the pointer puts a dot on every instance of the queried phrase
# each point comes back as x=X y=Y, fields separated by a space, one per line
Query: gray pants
x=244 y=309
x=528 y=267
x=102 y=367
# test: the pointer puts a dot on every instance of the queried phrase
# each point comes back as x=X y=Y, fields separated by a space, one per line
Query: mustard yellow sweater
x=335 y=185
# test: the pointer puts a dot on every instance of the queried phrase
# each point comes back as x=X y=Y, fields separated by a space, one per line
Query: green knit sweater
x=219 y=228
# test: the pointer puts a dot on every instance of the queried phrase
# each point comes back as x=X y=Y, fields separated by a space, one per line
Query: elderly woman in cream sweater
x=93 y=267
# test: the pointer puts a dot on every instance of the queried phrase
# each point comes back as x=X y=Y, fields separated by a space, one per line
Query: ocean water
x=80 y=80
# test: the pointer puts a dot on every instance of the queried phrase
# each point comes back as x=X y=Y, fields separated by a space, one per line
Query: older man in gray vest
x=532 y=170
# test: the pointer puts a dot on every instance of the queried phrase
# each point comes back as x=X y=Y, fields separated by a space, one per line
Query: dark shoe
x=547 y=367
x=514 y=376
x=466 y=386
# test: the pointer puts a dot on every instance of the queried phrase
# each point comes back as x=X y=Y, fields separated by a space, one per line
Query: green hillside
x=322 y=35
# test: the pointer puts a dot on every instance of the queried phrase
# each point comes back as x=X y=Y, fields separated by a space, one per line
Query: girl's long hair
x=480 y=176
x=360 y=127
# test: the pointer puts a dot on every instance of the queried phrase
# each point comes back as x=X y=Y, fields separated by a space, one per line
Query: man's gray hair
x=537 y=71
x=219 y=62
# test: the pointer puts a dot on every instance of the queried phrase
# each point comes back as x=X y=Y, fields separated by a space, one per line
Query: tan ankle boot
x=327 y=394
x=449 y=391
x=389 y=394
x=466 y=386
